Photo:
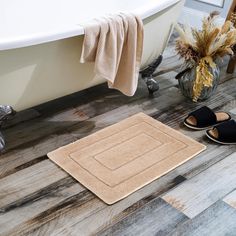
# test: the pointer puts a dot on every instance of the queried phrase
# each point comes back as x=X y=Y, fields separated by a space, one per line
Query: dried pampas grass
x=200 y=48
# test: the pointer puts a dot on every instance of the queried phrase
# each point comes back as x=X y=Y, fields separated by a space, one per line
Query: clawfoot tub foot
x=147 y=75
x=5 y=113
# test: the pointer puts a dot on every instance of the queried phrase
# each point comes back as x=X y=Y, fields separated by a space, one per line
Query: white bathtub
x=40 y=44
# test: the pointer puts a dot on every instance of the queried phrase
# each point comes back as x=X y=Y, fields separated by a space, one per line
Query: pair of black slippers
x=220 y=127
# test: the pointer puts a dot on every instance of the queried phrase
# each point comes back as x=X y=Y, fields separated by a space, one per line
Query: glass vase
x=186 y=82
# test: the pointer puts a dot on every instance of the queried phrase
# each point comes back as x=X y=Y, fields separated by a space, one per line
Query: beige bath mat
x=124 y=157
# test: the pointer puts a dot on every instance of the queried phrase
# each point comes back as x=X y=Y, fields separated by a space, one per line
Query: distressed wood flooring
x=38 y=198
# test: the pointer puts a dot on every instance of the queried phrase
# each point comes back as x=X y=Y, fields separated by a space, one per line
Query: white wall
x=195 y=10
x=219 y=3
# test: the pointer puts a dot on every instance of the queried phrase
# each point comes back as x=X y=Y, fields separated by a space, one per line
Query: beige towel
x=115 y=44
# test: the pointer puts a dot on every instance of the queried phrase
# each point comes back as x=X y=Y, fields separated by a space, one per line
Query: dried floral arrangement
x=200 y=48
x=233 y=20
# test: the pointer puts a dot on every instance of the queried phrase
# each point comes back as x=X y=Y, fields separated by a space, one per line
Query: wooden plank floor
x=38 y=198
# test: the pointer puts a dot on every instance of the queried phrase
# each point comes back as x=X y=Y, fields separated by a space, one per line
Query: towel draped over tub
x=115 y=44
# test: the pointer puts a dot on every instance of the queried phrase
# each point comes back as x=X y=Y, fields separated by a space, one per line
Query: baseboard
x=194 y=17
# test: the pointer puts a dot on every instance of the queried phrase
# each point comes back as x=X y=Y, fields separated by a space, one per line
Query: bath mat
x=122 y=158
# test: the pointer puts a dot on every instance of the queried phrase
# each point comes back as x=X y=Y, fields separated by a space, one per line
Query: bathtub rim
x=76 y=30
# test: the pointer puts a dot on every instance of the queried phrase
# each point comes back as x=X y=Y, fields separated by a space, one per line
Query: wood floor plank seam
x=58 y=132
x=190 y=174
x=141 y=204
x=227 y=155
x=45 y=216
x=138 y=225
x=190 y=227
x=48 y=191
x=23 y=166
x=157 y=192
x=203 y=198
x=230 y=199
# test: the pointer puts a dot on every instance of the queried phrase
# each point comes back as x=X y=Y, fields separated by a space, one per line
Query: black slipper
x=204 y=118
x=224 y=133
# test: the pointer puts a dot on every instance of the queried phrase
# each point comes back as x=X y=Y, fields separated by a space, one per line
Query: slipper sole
x=196 y=128
x=208 y=127
x=217 y=141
